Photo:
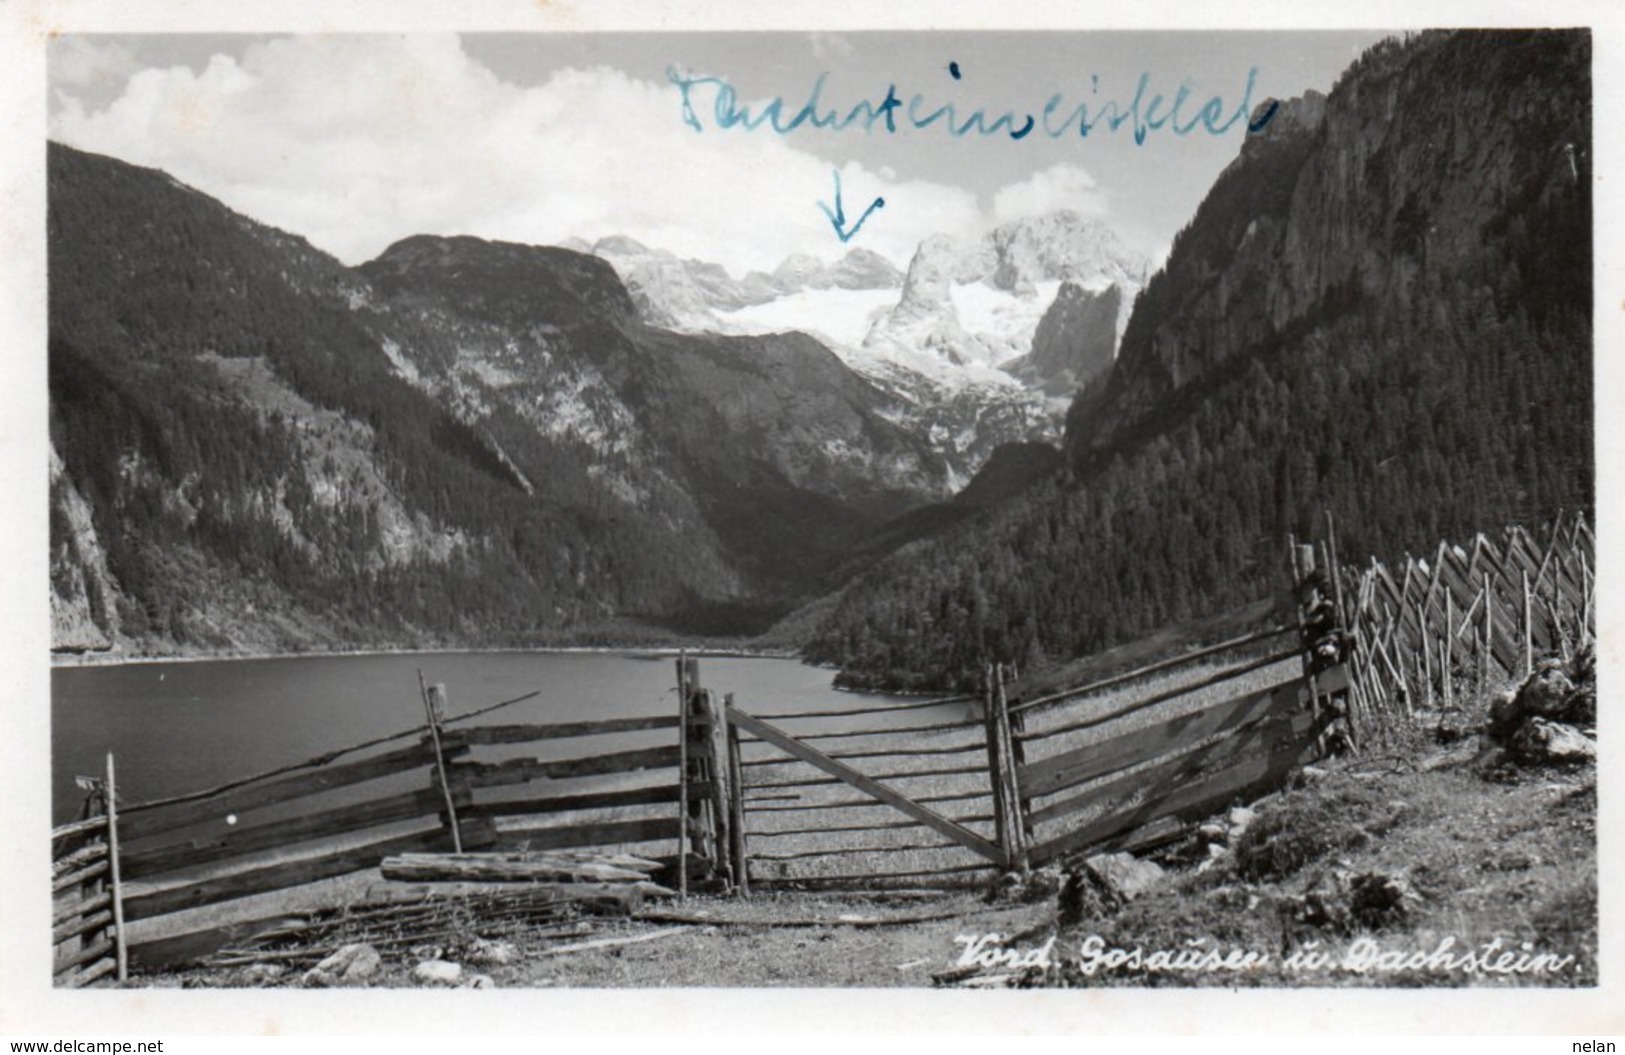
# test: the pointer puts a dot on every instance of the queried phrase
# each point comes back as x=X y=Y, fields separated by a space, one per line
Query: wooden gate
x=1127 y=761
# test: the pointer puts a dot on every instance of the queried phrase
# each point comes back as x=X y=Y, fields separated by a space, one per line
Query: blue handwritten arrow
x=837 y=215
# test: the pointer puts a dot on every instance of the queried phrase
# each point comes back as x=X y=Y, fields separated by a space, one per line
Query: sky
x=356 y=141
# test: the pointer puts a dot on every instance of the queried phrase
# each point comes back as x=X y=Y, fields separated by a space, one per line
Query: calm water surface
x=178 y=727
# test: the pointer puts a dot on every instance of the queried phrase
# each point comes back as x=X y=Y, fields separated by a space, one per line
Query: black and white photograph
x=827 y=504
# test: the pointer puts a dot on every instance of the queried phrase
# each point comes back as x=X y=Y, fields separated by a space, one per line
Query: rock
x=1503 y=719
x=263 y=973
x=1080 y=899
x=437 y=972
x=1343 y=902
x=1241 y=818
x=1377 y=899
x=1123 y=877
x=347 y=966
x=1546 y=691
x=353 y=962
x=479 y=981
x=483 y=953
x=1214 y=832
x=1539 y=740
x=1308 y=776
x=1219 y=857
x=1042 y=884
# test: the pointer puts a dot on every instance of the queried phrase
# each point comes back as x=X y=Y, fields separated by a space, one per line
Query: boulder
x=437 y=972
x=259 y=974
x=1241 y=818
x=1545 y=692
x=350 y=965
x=483 y=953
x=1557 y=743
x=1123 y=877
x=479 y=981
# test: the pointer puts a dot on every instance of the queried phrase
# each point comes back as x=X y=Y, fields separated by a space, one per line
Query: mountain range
x=1024 y=445
x=255 y=446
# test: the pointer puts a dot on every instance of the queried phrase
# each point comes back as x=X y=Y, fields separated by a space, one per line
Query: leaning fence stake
x=119 y=945
x=440 y=765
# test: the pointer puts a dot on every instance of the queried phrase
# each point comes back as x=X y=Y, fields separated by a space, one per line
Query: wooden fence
x=1442 y=629
x=449 y=786
x=87 y=915
x=1128 y=761
x=926 y=792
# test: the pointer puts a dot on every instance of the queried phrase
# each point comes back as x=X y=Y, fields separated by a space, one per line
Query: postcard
x=524 y=514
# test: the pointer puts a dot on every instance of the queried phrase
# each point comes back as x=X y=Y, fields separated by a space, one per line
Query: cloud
x=89 y=67
x=1062 y=186
x=357 y=141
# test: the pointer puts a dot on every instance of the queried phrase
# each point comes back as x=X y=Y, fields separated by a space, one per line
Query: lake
x=181 y=726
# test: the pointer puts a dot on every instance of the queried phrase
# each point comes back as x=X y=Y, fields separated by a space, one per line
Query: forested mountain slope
x=1381 y=309
x=257 y=447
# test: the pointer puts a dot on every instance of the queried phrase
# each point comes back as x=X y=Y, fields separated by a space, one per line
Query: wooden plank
x=90 y=871
x=524 y=770
x=78 y=859
x=82 y=907
x=1092 y=761
x=137 y=825
x=606 y=943
x=604 y=833
x=890 y=708
x=1249 y=739
x=280 y=875
x=868 y=877
x=1219 y=677
x=84 y=827
x=591 y=800
x=502 y=867
x=99 y=969
x=91 y=952
x=520 y=734
x=74 y=928
x=867 y=785
x=1256 y=772
x=326 y=823
x=900 y=752
x=1153 y=668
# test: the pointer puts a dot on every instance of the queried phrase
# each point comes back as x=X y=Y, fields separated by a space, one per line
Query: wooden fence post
x=682 y=775
x=736 y=804
x=1015 y=846
x=434 y=707
x=714 y=762
x=1448 y=660
x=1303 y=569
x=1528 y=629
x=1009 y=823
x=119 y=945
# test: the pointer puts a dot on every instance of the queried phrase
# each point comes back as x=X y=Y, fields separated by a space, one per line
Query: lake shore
x=115 y=658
